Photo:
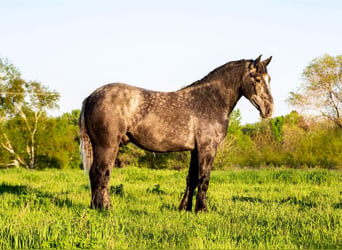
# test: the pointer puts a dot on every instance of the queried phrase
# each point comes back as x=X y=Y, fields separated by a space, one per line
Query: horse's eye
x=258 y=80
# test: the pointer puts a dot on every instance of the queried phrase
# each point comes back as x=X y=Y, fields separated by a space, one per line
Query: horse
x=194 y=118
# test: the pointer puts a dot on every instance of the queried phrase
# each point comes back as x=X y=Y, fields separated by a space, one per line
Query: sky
x=76 y=46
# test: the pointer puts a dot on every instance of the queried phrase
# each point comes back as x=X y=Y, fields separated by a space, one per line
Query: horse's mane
x=219 y=72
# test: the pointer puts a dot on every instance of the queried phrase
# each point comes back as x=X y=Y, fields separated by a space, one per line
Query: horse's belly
x=162 y=144
x=161 y=137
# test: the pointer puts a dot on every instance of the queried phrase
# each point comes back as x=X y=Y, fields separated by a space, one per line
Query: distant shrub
x=283 y=141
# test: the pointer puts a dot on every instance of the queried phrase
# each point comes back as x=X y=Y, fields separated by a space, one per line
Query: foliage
x=277 y=125
x=289 y=140
x=228 y=150
x=321 y=92
x=26 y=102
x=60 y=142
x=264 y=209
x=56 y=144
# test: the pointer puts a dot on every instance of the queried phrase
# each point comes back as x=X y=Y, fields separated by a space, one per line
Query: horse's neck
x=226 y=91
x=232 y=94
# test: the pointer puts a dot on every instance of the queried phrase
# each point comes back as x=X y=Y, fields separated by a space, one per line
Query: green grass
x=247 y=209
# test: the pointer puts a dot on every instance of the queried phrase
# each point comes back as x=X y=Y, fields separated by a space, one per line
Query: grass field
x=247 y=209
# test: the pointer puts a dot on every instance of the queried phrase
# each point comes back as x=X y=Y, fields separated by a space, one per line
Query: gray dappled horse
x=193 y=118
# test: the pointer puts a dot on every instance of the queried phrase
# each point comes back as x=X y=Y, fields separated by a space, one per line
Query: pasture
x=264 y=209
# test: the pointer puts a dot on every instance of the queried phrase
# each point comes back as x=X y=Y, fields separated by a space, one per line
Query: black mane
x=219 y=72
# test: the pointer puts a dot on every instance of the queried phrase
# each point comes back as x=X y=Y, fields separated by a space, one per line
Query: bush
x=282 y=141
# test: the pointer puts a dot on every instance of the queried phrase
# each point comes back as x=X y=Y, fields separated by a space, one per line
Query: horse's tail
x=85 y=144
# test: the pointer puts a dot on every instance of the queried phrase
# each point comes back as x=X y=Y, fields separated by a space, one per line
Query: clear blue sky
x=75 y=46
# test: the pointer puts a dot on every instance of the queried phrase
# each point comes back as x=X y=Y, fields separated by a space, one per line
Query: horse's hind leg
x=104 y=158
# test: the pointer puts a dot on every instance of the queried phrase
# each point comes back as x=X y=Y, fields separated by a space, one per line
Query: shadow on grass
x=26 y=194
x=247 y=199
x=303 y=202
x=13 y=189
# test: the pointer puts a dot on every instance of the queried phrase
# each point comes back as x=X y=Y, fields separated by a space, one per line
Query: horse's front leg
x=99 y=175
x=191 y=182
x=206 y=160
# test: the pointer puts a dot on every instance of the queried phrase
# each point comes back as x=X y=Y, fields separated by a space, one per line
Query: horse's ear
x=254 y=65
x=267 y=61
x=257 y=61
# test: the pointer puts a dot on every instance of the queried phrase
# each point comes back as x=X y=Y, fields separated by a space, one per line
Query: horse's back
x=115 y=98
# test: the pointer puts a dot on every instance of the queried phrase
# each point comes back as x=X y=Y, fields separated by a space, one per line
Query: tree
x=321 y=92
x=27 y=101
x=66 y=138
x=58 y=143
x=277 y=127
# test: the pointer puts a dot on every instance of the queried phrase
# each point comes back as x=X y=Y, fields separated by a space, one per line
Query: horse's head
x=256 y=87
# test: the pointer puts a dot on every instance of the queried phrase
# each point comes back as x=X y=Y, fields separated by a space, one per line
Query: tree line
x=312 y=138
